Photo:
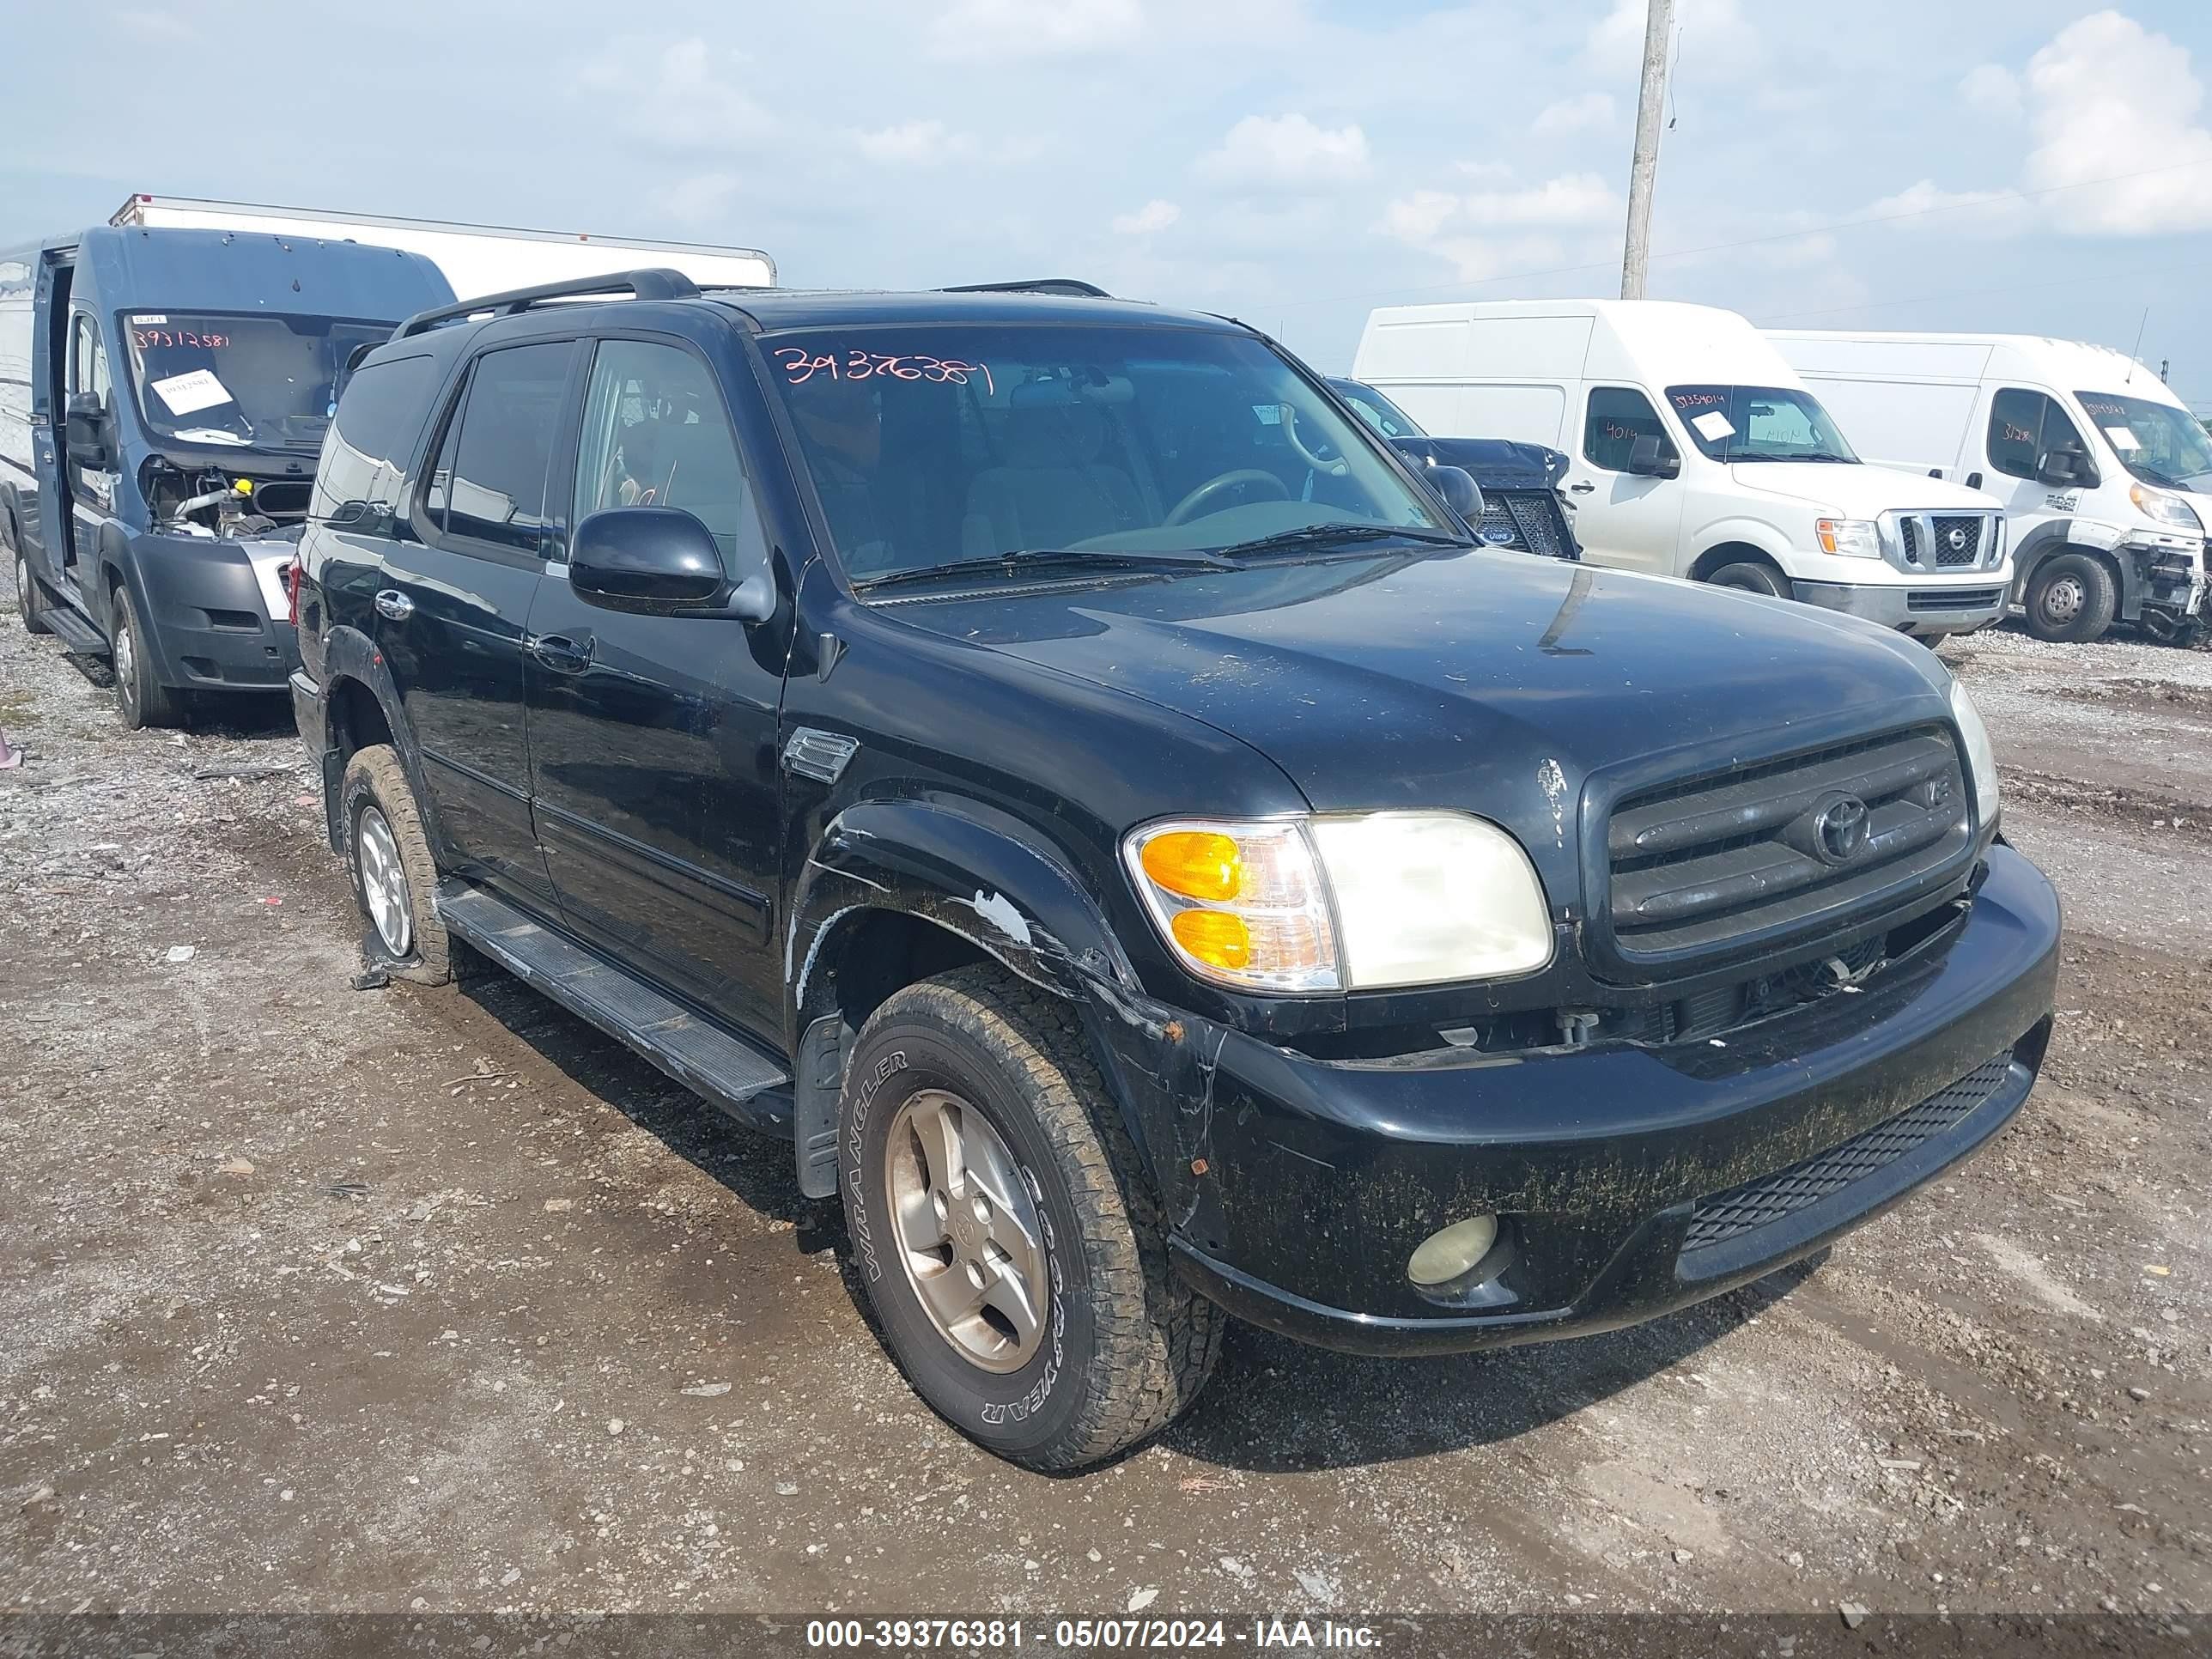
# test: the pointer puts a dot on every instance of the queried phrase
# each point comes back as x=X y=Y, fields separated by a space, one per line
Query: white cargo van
x=475 y=258
x=2105 y=474
x=1694 y=452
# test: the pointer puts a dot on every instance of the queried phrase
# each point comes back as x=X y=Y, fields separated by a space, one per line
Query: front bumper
x=1299 y=1188
x=1929 y=608
x=209 y=611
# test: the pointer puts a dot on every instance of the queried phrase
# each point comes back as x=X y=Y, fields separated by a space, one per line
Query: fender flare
x=983 y=875
x=2047 y=541
x=350 y=654
x=116 y=563
x=1748 y=532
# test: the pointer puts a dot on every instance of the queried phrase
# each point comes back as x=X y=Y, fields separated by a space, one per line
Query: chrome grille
x=1958 y=541
x=1764 y=851
x=1925 y=541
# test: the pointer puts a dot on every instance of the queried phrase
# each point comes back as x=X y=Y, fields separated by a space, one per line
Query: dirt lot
x=321 y=1299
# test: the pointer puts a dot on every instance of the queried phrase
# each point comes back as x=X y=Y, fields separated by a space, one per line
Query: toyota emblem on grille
x=1957 y=537
x=1839 y=828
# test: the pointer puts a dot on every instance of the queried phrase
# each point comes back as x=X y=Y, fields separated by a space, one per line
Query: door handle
x=394 y=605
x=562 y=654
x=1582 y=489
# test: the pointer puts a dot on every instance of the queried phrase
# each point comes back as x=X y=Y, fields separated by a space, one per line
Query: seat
x=1053 y=490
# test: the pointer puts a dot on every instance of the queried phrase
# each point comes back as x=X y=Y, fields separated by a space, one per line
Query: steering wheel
x=1187 y=508
x=1334 y=466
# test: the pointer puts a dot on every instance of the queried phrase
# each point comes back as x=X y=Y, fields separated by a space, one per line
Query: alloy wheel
x=384 y=881
x=969 y=1234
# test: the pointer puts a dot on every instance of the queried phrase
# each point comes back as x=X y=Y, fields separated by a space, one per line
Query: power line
x=1756 y=241
x=2008 y=287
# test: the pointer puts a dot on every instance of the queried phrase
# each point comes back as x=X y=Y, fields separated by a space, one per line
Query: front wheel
x=2070 y=599
x=140 y=697
x=1007 y=1233
x=1752 y=577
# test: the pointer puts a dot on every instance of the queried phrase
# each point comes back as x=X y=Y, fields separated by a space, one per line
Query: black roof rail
x=656 y=284
x=1067 y=286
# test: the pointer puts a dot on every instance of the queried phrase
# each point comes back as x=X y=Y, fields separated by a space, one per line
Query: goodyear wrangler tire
x=1011 y=1243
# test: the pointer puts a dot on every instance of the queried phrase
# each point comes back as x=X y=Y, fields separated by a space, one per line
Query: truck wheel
x=395 y=879
x=2070 y=599
x=1010 y=1239
x=30 y=598
x=1752 y=577
x=141 y=699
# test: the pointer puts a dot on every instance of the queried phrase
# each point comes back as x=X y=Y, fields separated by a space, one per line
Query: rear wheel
x=1752 y=577
x=30 y=598
x=1007 y=1233
x=140 y=697
x=394 y=876
x=2072 y=598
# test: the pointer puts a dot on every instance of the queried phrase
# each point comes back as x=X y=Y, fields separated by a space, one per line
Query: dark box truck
x=164 y=396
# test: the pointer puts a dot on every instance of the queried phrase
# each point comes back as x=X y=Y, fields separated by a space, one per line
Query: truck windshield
x=207 y=378
x=929 y=446
x=2160 y=444
x=1759 y=423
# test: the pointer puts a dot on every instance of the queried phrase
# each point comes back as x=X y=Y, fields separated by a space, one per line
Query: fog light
x=1445 y=1255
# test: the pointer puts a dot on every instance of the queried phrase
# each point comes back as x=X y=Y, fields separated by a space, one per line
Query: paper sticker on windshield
x=149 y=317
x=2123 y=438
x=184 y=393
x=1713 y=426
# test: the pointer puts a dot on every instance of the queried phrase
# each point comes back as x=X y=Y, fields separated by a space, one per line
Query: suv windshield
x=928 y=446
x=1759 y=423
x=2160 y=444
x=207 y=378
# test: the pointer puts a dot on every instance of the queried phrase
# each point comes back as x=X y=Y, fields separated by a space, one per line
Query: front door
x=90 y=480
x=454 y=600
x=653 y=737
x=2020 y=429
x=1622 y=518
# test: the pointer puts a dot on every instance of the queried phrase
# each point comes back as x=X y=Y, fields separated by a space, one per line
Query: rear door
x=1621 y=517
x=653 y=738
x=455 y=599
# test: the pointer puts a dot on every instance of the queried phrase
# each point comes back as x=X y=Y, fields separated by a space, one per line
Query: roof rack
x=657 y=284
x=1067 y=286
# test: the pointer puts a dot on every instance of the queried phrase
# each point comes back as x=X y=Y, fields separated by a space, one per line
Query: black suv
x=1044 y=756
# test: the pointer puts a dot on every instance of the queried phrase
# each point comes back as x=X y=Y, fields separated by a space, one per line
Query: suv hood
x=1860 y=491
x=1496 y=682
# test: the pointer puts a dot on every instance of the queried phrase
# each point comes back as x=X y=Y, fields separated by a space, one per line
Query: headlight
x=1855 y=538
x=1981 y=759
x=2168 y=510
x=1352 y=902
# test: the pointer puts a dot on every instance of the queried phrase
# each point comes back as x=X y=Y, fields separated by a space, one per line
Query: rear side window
x=366 y=452
x=1618 y=416
x=2024 y=427
x=655 y=434
x=490 y=480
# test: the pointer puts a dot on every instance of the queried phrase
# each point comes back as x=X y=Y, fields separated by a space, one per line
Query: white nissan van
x=1695 y=452
x=2105 y=474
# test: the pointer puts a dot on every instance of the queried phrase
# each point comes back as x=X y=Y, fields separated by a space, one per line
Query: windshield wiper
x=1070 y=557
x=1320 y=535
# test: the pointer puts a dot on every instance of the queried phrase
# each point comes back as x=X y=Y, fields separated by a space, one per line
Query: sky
x=2028 y=166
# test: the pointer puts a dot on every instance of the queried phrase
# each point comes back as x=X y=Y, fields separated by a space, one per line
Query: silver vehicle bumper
x=1951 y=608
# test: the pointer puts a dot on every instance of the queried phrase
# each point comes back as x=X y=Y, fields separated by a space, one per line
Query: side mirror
x=1459 y=489
x=85 y=431
x=1647 y=457
x=2062 y=468
x=661 y=559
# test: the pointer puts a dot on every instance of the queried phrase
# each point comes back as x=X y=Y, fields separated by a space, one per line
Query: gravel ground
x=324 y=1299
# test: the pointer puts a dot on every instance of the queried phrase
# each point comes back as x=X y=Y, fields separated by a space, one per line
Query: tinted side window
x=655 y=434
x=503 y=447
x=365 y=454
x=1618 y=417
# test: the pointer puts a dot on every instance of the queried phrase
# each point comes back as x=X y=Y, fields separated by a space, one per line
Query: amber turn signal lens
x=1194 y=863
x=1214 y=937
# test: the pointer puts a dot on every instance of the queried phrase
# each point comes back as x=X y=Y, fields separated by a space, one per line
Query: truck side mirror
x=86 y=433
x=2064 y=468
x=1459 y=489
x=662 y=560
x=1647 y=457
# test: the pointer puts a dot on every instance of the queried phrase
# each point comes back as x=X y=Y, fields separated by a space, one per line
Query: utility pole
x=1643 y=172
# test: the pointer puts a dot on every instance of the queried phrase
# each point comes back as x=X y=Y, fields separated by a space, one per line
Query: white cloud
x=1154 y=216
x=698 y=200
x=1712 y=37
x=1993 y=90
x=1572 y=199
x=915 y=145
x=685 y=95
x=1286 y=152
x=148 y=25
x=1575 y=114
x=1573 y=218
x=1033 y=28
x=2109 y=98
x=1924 y=207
